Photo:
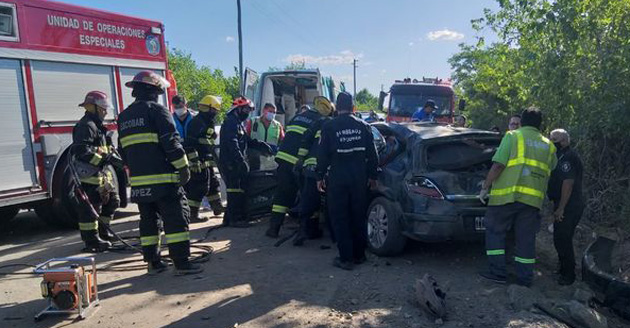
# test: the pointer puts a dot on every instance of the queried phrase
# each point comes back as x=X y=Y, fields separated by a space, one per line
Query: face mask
x=270 y=116
x=212 y=114
x=180 y=111
x=558 y=145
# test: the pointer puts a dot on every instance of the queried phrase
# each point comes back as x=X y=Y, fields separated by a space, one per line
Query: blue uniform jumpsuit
x=348 y=156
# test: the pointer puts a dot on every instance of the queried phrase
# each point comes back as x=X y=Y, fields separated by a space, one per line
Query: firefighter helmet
x=96 y=98
x=149 y=78
x=242 y=102
x=208 y=102
x=323 y=106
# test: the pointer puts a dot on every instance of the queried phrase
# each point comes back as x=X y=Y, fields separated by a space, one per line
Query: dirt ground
x=250 y=283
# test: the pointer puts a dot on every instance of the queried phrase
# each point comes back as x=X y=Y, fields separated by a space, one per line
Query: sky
x=391 y=39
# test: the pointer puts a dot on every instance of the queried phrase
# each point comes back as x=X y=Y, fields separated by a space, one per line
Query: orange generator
x=70 y=286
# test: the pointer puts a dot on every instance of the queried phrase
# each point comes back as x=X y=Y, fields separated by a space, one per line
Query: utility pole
x=240 y=47
x=354 y=65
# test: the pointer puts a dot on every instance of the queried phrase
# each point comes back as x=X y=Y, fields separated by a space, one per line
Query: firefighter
x=199 y=145
x=289 y=154
x=310 y=198
x=518 y=177
x=233 y=160
x=158 y=168
x=93 y=153
x=347 y=156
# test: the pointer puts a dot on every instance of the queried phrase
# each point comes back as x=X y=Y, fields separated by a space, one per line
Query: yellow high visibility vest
x=526 y=174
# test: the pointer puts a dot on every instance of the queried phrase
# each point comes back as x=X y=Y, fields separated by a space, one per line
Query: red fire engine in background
x=51 y=55
x=407 y=96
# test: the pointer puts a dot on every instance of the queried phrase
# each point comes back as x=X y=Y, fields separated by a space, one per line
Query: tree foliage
x=366 y=101
x=195 y=82
x=571 y=58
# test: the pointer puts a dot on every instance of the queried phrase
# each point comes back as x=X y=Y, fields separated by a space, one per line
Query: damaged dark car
x=430 y=178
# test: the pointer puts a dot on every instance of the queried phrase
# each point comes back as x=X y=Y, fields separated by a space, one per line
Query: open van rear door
x=250 y=83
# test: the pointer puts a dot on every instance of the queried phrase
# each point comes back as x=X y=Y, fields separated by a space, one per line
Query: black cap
x=178 y=100
x=430 y=103
x=344 y=102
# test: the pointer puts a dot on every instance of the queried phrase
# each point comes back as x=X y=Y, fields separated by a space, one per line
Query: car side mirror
x=462 y=105
x=381 y=99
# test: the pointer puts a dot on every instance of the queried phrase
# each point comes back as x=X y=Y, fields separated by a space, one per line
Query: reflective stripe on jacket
x=90 y=146
x=151 y=149
x=291 y=148
x=526 y=173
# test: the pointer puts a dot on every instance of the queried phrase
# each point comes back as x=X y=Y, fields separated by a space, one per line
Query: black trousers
x=310 y=203
x=563 y=233
x=526 y=222
x=285 y=195
x=105 y=208
x=214 y=191
x=235 y=188
x=197 y=187
x=347 y=207
x=174 y=212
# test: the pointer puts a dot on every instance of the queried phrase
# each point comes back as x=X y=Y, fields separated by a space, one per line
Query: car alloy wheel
x=377 y=226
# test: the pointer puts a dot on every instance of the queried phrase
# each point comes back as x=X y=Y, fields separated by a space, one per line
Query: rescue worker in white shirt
x=182 y=115
x=199 y=146
x=265 y=127
x=158 y=167
x=91 y=149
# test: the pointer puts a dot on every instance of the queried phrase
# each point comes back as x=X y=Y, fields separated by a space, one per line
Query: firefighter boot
x=274 y=225
x=217 y=207
x=93 y=243
x=240 y=219
x=194 y=216
x=156 y=267
x=302 y=233
x=185 y=267
x=105 y=233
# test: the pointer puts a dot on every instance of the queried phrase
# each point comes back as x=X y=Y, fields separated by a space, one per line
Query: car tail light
x=425 y=187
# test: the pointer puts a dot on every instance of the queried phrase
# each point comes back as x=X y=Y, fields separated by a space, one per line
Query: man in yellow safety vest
x=519 y=176
x=265 y=127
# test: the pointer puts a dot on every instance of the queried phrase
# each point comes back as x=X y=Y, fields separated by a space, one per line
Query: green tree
x=366 y=101
x=293 y=66
x=195 y=82
x=571 y=59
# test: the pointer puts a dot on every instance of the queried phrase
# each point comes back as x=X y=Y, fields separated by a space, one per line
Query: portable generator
x=70 y=286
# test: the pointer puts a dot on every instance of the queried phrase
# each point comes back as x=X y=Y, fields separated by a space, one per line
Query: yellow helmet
x=323 y=105
x=209 y=102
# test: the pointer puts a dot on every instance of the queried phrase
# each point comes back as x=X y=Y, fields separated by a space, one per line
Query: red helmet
x=97 y=98
x=149 y=78
x=242 y=102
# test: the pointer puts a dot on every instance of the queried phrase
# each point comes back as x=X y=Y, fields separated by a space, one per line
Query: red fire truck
x=407 y=96
x=51 y=55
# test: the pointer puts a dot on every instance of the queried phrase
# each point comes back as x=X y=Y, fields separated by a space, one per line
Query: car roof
x=427 y=130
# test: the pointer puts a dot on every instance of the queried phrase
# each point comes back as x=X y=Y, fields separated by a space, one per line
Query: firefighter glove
x=184 y=175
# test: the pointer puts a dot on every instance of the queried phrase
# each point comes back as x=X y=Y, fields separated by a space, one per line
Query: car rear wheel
x=385 y=236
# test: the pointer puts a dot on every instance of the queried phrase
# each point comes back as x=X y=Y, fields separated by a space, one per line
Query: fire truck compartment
x=16 y=148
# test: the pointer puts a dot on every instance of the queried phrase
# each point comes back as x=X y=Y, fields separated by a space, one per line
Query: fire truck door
x=16 y=148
